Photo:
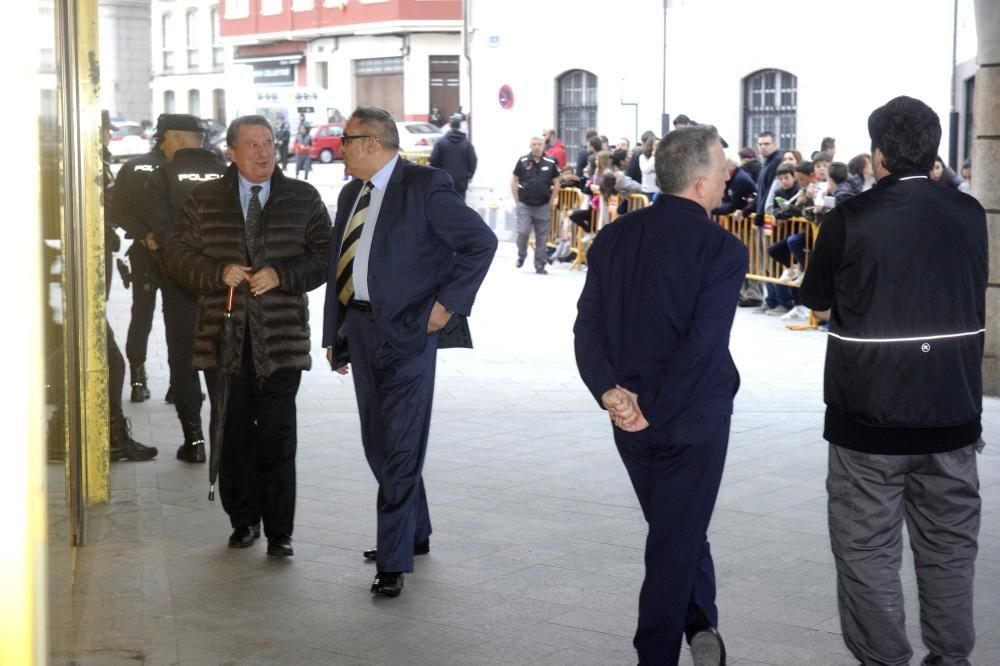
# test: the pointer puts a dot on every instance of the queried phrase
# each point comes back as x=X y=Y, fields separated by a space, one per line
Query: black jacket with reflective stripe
x=905 y=350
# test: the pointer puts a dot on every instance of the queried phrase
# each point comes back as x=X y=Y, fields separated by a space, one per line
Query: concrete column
x=986 y=172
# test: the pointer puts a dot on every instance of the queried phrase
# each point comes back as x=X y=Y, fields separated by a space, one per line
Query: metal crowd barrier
x=757 y=239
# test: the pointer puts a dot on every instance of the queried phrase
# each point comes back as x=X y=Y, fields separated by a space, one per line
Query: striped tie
x=352 y=237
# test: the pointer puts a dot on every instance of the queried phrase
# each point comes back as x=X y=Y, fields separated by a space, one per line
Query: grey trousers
x=538 y=218
x=869 y=497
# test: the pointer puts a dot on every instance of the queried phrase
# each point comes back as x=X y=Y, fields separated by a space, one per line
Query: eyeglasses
x=344 y=138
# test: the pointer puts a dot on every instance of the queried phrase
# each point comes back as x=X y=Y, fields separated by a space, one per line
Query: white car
x=417 y=137
x=127 y=141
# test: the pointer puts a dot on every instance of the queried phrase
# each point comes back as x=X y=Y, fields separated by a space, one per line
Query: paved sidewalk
x=537 y=548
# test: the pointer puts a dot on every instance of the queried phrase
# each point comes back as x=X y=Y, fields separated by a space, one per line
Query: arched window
x=219 y=105
x=191 y=28
x=576 y=107
x=166 y=23
x=194 y=103
x=770 y=100
x=169 y=104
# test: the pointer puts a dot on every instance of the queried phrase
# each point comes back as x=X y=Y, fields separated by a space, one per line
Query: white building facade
x=123 y=26
x=189 y=60
x=742 y=65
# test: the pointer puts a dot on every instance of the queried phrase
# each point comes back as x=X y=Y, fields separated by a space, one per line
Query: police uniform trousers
x=395 y=408
x=869 y=498
x=144 y=287
x=180 y=310
x=257 y=471
x=116 y=362
x=676 y=474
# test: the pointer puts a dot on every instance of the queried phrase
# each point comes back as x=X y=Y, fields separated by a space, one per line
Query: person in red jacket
x=554 y=147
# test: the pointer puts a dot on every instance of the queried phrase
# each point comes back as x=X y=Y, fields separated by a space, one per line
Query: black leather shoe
x=707 y=648
x=140 y=392
x=541 y=270
x=243 y=537
x=421 y=548
x=123 y=447
x=280 y=546
x=192 y=452
x=389 y=583
x=520 y=262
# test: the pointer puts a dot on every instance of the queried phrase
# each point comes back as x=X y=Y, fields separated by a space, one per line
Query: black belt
x=364 y=306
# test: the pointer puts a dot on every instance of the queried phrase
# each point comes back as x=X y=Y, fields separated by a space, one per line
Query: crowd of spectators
x=772 y=185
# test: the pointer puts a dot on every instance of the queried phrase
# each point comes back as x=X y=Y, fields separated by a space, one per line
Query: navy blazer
x=656 y=311
x=428 y=246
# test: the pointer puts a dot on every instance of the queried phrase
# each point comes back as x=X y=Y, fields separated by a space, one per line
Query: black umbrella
x=225 y=350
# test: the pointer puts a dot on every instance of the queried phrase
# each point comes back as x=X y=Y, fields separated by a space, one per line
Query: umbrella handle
x=211 y=493
x=229 y=299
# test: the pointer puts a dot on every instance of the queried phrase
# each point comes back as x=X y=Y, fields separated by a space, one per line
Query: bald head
x=175 y=140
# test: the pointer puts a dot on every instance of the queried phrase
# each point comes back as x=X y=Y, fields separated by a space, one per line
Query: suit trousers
x=538 y=218
x=395 y=408
x=257 y=471
x=869 y=497
x=676 y=474
x=180 y=309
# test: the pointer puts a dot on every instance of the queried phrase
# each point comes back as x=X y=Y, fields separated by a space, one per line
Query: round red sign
x=505 y=97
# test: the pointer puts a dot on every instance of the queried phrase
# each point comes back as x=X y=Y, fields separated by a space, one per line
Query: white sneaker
x=798 y=313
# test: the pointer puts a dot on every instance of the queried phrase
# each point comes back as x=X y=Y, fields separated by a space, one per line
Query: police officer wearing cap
x=187 y=166
x=128 y=211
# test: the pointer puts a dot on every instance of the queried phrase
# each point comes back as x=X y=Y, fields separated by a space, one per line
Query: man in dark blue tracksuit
x=652 y=345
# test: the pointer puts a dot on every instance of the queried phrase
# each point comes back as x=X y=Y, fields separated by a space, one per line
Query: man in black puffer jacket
x=267 y=236
x=454 y=153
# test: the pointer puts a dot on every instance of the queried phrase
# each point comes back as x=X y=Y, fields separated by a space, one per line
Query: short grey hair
x=683 y=155
x=233 y=132
x=381 y=124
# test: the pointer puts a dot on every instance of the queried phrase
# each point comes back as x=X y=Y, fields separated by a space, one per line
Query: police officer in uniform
x=187 y=166
x=127 y=211
x=121 y=445
x=535 y=186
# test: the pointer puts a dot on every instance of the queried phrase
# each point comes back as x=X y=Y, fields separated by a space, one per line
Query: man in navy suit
x=652 y=345
x=406 y=260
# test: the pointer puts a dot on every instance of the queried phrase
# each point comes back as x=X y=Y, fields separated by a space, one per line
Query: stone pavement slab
x=537 y=551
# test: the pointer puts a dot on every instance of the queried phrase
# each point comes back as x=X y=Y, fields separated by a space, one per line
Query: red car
x=326 y=142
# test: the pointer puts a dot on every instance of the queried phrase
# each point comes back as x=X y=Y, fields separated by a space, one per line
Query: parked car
x=326 y=145
x=127 y=141
x=417 y=137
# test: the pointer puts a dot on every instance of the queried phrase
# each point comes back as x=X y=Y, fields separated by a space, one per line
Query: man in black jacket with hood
x=454 y=153
x=903 y=389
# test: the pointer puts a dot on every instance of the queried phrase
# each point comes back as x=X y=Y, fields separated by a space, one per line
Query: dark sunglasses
x=344 y=138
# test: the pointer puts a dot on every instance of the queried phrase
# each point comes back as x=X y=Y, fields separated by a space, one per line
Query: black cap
x=181 y=122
